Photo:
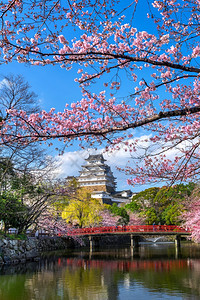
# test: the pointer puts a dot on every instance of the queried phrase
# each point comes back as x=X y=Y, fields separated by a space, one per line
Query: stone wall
x=20 y=251
x=96 y=188
x=17 y=251
x=54 y=243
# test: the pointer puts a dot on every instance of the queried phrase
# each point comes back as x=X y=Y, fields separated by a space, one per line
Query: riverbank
x=14 y=251
x=21 y=251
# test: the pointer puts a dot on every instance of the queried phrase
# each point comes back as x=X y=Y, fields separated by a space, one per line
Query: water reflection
x=152 y=272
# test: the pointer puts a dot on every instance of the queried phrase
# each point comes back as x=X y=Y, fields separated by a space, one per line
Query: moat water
x=154 y=271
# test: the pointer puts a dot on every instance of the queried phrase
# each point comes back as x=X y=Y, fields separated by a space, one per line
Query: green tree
x=146 y=197
x=150 y=215
x=7 y=173
x=172 y=214
x=23 y=196
x=24 y=167
x=134 y=206
x=164 y=205
x=12 y=210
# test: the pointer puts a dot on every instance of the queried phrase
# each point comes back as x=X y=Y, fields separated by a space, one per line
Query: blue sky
x=55 y=87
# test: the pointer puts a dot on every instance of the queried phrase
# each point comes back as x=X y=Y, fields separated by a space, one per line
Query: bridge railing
x=131 y=228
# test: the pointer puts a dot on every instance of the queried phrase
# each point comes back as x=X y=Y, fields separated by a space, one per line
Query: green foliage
x=171 y=215
x=21 y=236
x=6 y=173
x=179 y=191
x=120 y=211
x=13 y=236
x=19 y=183
x=146 y=195
x=6 y=166
x=23 y=183
x=134 y=206
x=164 y=205
x=151 y=216
x=73 y=184
x=11 y=210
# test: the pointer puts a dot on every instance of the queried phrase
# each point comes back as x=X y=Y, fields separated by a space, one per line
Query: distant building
x=96 y=175
x=98 y=178
x=112 y=198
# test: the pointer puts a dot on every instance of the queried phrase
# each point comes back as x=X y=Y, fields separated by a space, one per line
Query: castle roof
x=95 y=157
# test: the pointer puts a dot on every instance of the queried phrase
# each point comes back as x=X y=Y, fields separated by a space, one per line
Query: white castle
x=96 y=175
x=98 y=178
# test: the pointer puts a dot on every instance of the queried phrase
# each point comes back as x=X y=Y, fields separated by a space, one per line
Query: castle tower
x=96 y=175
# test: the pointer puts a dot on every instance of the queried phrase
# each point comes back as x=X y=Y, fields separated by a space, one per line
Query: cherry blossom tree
x=135 y=219
x=97 y=37
x=192 y=217
x=108 y=219
x=49 y=223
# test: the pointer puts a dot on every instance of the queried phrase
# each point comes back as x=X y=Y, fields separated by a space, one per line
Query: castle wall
x=97 y=188
x=96 y=175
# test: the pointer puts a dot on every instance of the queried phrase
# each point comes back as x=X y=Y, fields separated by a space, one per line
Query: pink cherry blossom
x=162 y=100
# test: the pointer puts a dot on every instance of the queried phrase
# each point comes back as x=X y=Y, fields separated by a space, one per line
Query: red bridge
x=134 y=229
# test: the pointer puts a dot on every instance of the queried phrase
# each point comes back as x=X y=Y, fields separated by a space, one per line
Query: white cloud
x=70 y=162
x=3 y=83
